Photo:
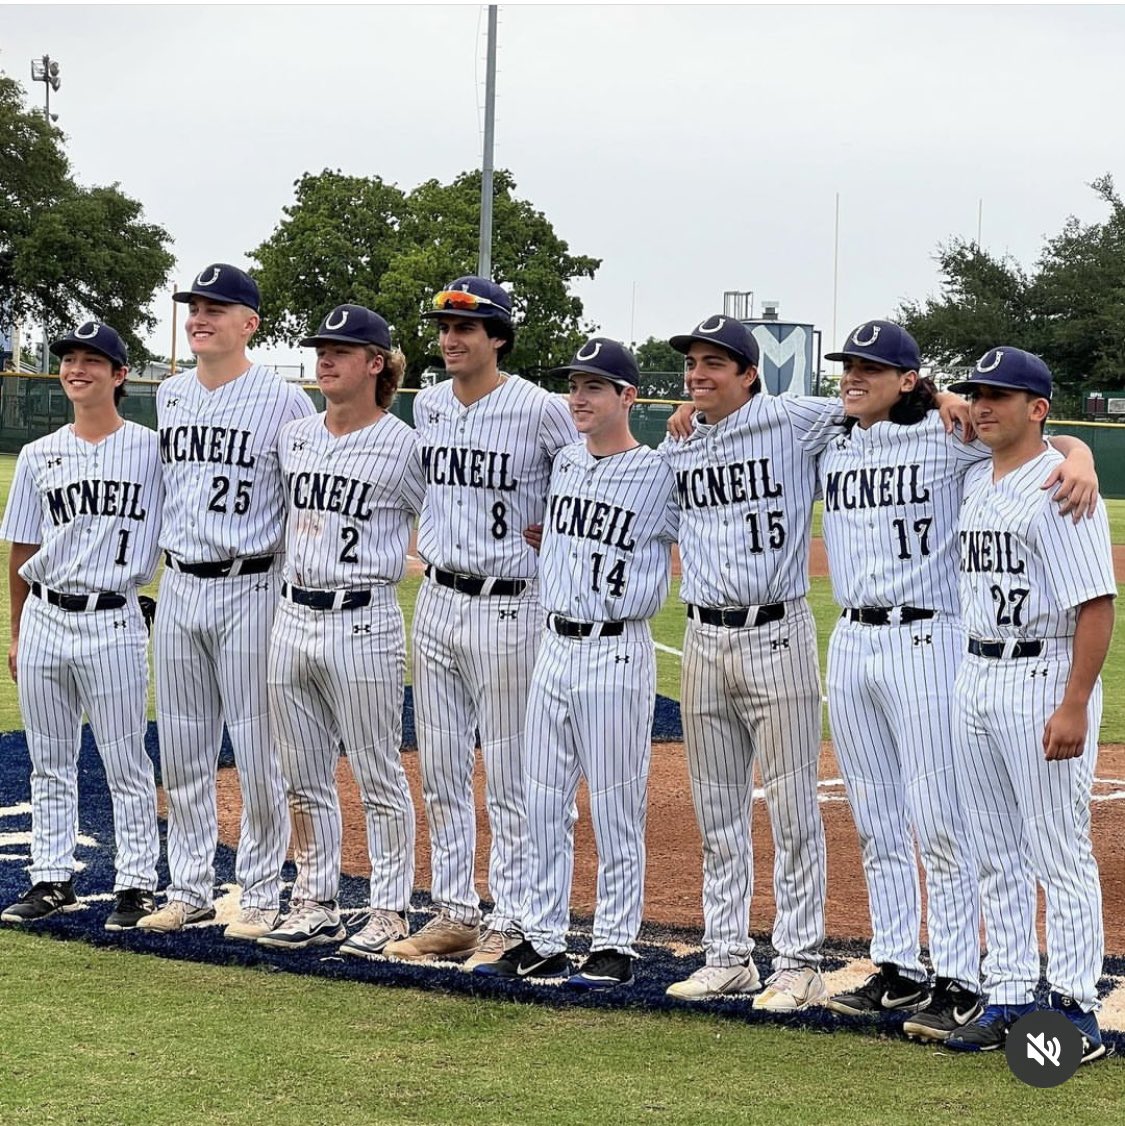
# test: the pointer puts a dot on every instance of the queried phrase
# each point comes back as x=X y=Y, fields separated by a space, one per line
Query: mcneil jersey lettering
x=94 y=509
x=487 y=467
x=226 y=497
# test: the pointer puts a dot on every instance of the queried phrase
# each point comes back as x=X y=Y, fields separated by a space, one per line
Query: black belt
x=881 y=616
x=474 y=584
x=327 y=599
x=995 y=649
x=75 y=602
x=248 y=565
x=566 y=628
x=737 y=619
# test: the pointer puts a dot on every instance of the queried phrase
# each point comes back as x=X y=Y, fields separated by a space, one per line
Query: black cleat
x=41 y=902
x=990 y=1030
x=885 y=991
x=133 y=904
x=524 y=962
x=604 y=969
x=950 y=1008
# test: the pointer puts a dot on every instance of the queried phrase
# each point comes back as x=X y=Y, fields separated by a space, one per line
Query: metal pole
x=172 y=357
x=980 y=219
x=484 y=252
x=835 y=269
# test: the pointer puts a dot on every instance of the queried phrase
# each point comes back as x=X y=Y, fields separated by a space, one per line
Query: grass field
x=97 y=1036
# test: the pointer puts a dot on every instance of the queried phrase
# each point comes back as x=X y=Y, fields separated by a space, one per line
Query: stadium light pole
x=46 y=70
x=484 y=250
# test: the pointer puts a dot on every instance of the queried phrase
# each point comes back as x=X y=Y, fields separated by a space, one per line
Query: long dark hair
x=912 y=406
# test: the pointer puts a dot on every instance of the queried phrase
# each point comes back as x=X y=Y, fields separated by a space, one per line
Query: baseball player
x=1037 y=597
x=488 y=441
x=892 y=487
x=354 y=483
x=604 y=569
x=83 y=517
x=222 y=535
x=750 y=682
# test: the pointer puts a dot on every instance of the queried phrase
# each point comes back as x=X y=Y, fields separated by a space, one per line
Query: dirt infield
x=673 y=883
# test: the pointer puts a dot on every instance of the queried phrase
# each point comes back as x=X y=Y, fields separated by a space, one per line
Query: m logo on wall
x=787 y=360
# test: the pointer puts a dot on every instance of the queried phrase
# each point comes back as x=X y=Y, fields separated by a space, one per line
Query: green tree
x=69 y=252
x=984 y=302
x=659 y=356
x=1070 y=308
x=362 y=240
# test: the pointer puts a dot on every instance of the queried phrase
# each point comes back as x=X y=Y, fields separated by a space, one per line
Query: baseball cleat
x=252 y=923
x=308 y=923
x=41 y=901
x=717 y=981
x=381 y=928
x=949 y=1009
x=989 y=1031
x=885 y=991
x=604 y=969
x=442 y=937
x=174 y=916
x=1087 y=1023
x=494 y=944
x=791 y=990
x=133 y=904
x=524 y=962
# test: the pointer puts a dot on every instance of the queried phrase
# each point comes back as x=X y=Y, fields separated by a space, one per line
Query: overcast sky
x=695 y=149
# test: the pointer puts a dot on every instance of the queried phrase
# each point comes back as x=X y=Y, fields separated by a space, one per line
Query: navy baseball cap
x=98 y=338
x=605 y=358
x=1008 y=367
x=472 y=297
x=883 y=342
x=732 y=334
x=351 y=324
x=223 y=283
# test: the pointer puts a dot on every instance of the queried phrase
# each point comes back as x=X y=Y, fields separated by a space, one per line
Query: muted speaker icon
x=1043 y=1050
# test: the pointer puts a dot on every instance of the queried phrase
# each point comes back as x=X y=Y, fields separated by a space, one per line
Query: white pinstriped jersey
x=745 y=488
x=487 y=468
x=1024 y=569
x=93 y=507
x=607 y=535
x=892 y=497
x=352 y=501
x=219 y=450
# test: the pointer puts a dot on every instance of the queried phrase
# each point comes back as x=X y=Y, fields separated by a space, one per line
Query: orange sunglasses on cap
x=459 y=299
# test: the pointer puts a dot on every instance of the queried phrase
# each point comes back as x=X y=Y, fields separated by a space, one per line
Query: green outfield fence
x=34 y=405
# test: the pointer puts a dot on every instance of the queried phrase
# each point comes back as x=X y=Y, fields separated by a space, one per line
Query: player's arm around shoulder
x=412 y=484
x=1076 y=478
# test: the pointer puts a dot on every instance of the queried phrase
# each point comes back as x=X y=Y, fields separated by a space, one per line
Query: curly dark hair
x=912 y=405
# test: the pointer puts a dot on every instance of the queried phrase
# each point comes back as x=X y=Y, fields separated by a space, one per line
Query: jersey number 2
x=350 y=536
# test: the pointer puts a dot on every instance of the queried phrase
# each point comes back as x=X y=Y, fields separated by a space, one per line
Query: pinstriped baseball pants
x=70 y=662
x=890 y=700
x=336 y=676
x=754 y=694
x=1030 y=824
x=472 y=662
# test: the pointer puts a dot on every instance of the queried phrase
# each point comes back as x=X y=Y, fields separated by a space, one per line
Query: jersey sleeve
x=22 y=521
x=968 y=453
x=670 y=523
x=1077 y=558
x=815 y=420
x=412 y=487
x=300 y=404
x=556 y=428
